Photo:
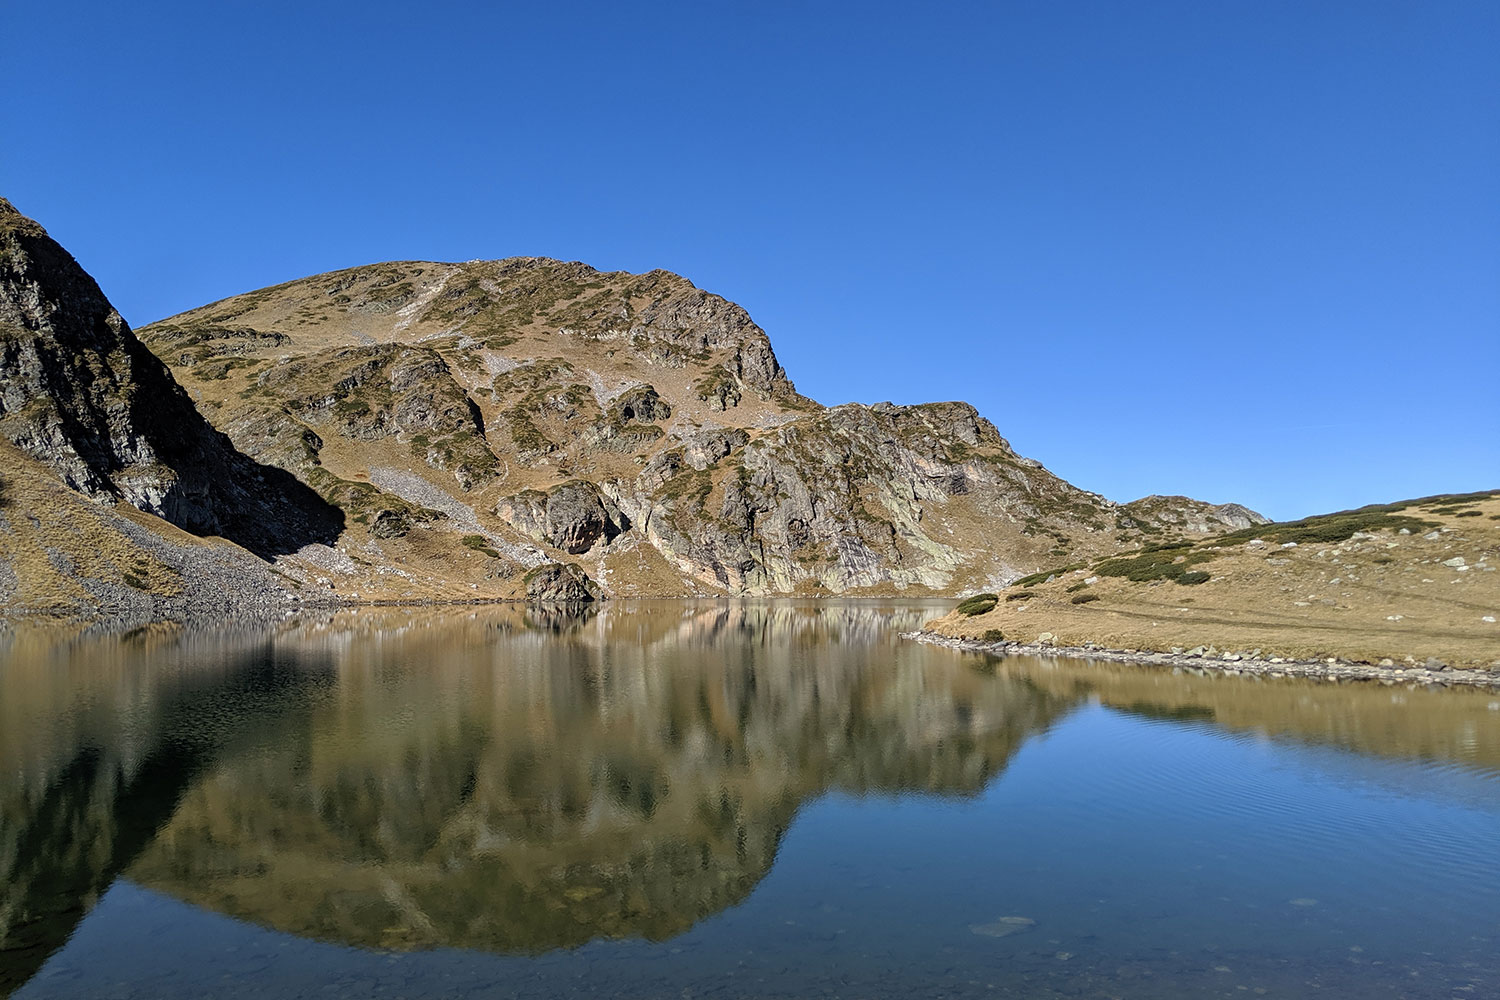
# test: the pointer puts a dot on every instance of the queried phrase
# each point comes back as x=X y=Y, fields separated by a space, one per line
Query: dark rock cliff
x=79 y=392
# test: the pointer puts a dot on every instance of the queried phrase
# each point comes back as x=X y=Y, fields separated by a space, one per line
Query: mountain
x=534 y=426
x=112 y=477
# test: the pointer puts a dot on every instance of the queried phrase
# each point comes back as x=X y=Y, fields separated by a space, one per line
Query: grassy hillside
x=1414 y=579
x=61 y=553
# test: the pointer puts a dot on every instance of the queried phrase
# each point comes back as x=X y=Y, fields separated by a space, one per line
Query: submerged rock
x=1004 y=927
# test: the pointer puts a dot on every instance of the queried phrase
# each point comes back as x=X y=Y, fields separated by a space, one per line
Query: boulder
x=560 y=583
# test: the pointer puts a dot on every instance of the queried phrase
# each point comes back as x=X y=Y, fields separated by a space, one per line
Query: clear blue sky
x=1242 y=250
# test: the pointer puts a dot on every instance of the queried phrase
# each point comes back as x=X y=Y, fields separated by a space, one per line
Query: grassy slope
x=53 y=540
x=1349 y=584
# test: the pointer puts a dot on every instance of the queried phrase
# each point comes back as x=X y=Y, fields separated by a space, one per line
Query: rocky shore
x=1428 y=674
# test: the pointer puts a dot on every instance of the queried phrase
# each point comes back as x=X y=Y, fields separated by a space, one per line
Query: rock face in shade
x=80 y=393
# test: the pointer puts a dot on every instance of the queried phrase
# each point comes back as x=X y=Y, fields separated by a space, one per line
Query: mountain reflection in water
x=500 y=780
x=515 y=781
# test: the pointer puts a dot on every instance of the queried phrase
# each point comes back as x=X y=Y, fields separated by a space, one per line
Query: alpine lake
x=723 y=800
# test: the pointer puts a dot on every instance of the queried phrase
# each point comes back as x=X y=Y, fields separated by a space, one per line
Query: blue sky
x=1245 y=251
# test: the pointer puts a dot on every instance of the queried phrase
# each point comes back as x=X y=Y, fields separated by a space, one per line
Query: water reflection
x=516 y=782
x=496 y=780
x=1456 y=726
x=591 y=786
x=97 y=756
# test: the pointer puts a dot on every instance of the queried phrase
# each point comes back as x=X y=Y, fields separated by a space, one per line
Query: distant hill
x=1401 y=582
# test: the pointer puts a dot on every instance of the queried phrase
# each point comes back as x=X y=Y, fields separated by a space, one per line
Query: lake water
x=705 y=800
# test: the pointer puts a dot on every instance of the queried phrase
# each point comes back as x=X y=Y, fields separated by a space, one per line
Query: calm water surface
x=700 y=800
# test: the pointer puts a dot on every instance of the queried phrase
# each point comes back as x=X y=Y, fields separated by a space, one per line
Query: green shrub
x=1077 y=587
x=1027 y=581
x=1469 y=513
x=993 y=635
x=1196 y=576
x=978 y=604
x=1086 y=598
x=1024 y=595
x=1334 y=527
x=480 y=544
x=1154 y=564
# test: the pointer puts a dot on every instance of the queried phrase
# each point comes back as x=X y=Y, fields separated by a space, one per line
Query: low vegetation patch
x=1341 y=525
x=1035 y=578
x=1024 y=595
x=1157 y=563
x=978 y=604
x=480 y=544
x=1086 y=598
x=993 y=635
x=1445 y=503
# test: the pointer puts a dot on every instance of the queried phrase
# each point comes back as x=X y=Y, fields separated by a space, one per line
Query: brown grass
x=1363 y=599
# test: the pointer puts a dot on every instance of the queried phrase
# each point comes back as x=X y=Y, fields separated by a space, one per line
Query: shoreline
x=1333 y=671
x=175 y=610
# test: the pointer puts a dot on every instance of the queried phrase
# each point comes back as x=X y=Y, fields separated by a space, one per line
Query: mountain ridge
x=536 y=428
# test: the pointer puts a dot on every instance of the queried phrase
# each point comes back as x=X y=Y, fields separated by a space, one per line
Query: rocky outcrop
x=1192 y=516
x=560 y=583
x=80 y=393
x=641 y=405
x=572 y=517
x=838 y=501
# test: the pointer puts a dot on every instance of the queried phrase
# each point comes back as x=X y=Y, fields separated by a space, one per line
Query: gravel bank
x=1335 y=670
